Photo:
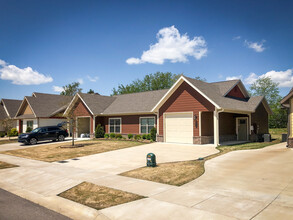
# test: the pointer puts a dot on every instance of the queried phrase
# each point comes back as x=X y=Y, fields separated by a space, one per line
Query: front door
x=242 y=129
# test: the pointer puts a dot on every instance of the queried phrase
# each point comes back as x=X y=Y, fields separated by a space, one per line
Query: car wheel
x=33 y=141
x=61 y=138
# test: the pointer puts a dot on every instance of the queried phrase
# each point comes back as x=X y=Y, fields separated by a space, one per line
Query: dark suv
x=54 y=133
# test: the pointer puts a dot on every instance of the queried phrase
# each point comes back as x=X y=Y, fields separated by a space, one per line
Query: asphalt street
x=13 y=207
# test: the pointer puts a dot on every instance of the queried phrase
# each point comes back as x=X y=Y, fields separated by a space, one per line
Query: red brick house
x=191 y=111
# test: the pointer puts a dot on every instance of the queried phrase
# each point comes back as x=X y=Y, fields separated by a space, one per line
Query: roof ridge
x=140 y=92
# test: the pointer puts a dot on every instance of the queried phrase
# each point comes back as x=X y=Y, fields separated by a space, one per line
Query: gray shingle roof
x=12 y=106
x=135 y=102
x=43 y=105
x=214 y=91
x=225 y=86
x=3 y=114
x=97 y=103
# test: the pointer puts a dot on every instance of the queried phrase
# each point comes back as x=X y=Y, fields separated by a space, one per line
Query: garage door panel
x=179 y=128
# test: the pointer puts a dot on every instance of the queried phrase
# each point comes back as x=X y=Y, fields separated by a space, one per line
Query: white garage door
x=179 y=128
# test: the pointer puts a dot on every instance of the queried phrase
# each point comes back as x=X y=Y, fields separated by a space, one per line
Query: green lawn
x=277 y=132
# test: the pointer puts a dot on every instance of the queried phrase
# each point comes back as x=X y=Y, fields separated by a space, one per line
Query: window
x=30 y=124
x=115 y=125
x=146 y=124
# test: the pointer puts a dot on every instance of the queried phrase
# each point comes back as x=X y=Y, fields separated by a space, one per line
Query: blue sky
x=48 y=44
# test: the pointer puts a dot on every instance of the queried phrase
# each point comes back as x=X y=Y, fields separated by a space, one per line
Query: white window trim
x=146 y=117
x=114 y=129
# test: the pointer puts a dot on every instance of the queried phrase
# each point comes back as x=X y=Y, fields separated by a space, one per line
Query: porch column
x=94 y=125
x=216 y=127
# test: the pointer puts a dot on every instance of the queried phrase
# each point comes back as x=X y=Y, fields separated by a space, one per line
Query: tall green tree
x=71 y=89
x=269 y=89
x=91 y=91
x=153 y=81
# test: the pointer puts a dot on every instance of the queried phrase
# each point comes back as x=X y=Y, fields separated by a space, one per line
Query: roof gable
x=3 y=114
x=285 y=100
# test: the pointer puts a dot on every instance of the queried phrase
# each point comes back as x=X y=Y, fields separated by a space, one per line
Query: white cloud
x=80 y=80
x=256 y=46
x=234 y=77
x=58 y=89
x=236 y=38
x=93 y=79
x=172 y=46
x=25 y=76
x=283 y=78
x=251 y=78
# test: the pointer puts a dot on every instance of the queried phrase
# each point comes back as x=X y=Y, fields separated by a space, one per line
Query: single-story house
x=8 y=109
x=41 y=109
x=191 y=111
x=287 y=102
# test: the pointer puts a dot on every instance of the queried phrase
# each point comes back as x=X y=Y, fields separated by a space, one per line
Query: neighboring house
x=8 y=109
x=287 y=102
x=191 y=111
x=41 y=109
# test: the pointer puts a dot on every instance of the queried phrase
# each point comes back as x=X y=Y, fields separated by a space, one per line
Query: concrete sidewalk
x=249 y=184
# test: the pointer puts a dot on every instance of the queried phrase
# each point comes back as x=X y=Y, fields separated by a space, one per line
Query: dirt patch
x=98 y=197
x=4 y=165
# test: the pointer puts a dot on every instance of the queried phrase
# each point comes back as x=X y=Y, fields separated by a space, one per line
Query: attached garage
x=83 y=125
x=178 y=127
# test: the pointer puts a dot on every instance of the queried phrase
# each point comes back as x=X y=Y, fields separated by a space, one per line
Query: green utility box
x=151 y=160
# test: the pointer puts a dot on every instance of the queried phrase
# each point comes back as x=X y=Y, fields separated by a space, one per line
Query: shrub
x=99 y=132
x=112 y=135
x=28 y=129
x=13 y=132
x=137 y=137
x=144 y=136
x=2 y=134
x=148 y=136
x=106 y=136
x=130 y=136
x=153 y=134
x=118 y=136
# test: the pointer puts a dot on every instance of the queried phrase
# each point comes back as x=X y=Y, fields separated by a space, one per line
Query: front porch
x=223 y=128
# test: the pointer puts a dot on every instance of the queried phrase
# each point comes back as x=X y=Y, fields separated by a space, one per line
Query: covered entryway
x=83 y=125
x=242 y=128
x=178 y=127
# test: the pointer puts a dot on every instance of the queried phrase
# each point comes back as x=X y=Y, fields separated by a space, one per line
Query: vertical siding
x=236 y=92
x=261 y=119
x=291 y=117
x=185 y=99
x=207 y=124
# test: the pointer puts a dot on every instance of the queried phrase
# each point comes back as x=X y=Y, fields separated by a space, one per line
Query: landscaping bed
x=179 y=173
x=98 y=197
x=54 y=152
x=4 y=165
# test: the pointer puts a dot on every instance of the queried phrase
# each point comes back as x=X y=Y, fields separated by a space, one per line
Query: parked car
x=54 y=133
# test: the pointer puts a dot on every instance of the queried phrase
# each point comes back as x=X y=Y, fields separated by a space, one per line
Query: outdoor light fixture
x=195 y=117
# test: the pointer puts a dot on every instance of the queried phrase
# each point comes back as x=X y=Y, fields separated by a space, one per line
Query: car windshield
x=35 y=130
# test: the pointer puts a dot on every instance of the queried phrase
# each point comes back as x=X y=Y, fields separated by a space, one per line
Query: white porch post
x=94 y=124
x=216 y=127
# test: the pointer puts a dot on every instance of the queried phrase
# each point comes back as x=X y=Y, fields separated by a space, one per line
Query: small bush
x=112 y=135
x=99 y=132
x=118 y=136
x=153 y=134
x=13 y=132
x=148 y=136
x=144 y=136
x=106 y=136
x=2 y=134
x=28 y=129
x=137 y=137
x=130 y=136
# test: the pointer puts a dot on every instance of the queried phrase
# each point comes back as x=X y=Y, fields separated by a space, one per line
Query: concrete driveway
x=126 y=159
x=250 y=184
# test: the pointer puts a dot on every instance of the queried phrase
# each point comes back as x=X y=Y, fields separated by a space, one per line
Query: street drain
x=62 y=161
